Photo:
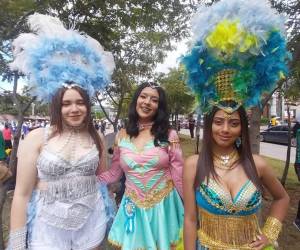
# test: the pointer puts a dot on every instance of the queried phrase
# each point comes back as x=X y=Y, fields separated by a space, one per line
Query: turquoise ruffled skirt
x=152 y=228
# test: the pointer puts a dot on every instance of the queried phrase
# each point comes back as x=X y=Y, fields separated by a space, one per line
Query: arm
x=176 y=160
x=280 y=197
x=26 y=180
x=26 y=176
x=190 y=209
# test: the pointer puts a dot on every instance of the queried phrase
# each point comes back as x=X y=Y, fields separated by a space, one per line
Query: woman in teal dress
x=239 y=54
x=150 y=215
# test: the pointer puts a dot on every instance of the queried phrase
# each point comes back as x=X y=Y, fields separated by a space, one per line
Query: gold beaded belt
x=227 y=231
x=151 y=198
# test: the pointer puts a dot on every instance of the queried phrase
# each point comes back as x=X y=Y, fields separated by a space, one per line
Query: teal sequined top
x=215 y=199
x=227 y=222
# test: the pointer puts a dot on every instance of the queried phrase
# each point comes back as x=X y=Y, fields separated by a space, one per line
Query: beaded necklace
x=226 y=162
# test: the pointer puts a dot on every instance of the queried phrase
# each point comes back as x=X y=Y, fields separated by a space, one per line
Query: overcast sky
x=172 y=59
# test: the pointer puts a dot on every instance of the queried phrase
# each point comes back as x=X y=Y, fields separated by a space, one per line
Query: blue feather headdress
x=53 y=55
x=238 y=54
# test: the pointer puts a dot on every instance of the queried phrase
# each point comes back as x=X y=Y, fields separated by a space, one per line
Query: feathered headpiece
x=238 y=54
x=51 y=56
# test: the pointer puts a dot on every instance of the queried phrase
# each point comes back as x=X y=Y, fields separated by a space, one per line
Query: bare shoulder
x=32 y=143
x=37 y=135
x=260 y=163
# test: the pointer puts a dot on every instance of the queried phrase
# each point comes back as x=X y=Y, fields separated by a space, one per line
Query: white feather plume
x=52 y=55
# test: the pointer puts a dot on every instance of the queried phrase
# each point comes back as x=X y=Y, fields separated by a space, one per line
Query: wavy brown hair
x=56 y=117
x=205 y=167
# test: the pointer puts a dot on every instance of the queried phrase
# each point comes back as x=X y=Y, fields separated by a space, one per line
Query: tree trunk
x=119 y=107
x=288 y=152
x=254 y=130
x=2 y=200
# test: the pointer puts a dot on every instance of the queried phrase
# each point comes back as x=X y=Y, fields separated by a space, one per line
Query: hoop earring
x=238 y=142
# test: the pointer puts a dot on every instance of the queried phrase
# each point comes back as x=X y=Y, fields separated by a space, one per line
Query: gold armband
x=272 y=229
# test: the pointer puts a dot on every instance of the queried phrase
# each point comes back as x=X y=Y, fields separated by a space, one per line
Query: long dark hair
x=161 y=123
x=205 y=167
x=56 y=117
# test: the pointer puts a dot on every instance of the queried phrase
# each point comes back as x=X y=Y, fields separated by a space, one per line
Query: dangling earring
x=238 y=142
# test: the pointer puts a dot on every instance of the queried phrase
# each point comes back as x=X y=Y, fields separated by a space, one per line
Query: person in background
x=273 y=121
x=103 y=127
x=25 y=130
x=7 y=135
x=96 y=125
x=1 y=126
x=192 y=123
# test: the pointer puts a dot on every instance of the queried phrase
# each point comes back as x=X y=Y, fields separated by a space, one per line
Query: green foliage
x=264 y=120
x=12 y=17
x=180 y=100
x=7 y=105
x=291 y=8
x=138 y=32
x=97 y=114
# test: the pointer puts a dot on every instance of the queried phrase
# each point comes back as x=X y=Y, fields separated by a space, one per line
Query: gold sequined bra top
x=227 y=222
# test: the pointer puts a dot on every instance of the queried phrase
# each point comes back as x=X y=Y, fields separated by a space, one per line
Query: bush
x=264 y=121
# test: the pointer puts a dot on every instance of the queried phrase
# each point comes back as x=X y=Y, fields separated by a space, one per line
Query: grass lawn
x=290 y=236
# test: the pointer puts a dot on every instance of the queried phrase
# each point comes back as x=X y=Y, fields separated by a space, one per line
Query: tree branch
x=103 y=110
x=268 y=97
x=28 y=104
x=109 y=94
x=14 y=93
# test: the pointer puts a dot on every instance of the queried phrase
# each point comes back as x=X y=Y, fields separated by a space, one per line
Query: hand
x=260 y=242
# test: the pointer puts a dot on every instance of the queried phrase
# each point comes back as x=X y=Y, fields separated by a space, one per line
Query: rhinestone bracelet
x=17 y=239
x=272 y=229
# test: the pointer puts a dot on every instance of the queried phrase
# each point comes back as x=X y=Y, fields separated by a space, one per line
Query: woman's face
x=73 y=109
x=226 y=128
x=147 y=104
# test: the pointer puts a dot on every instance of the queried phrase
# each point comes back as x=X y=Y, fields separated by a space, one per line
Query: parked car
x=278 y=134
